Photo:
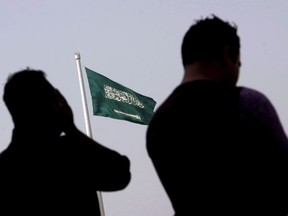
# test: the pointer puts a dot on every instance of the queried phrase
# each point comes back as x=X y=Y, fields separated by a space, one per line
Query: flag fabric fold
x=111 y=99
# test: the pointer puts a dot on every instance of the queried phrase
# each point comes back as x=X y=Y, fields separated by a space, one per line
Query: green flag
x=111 y=99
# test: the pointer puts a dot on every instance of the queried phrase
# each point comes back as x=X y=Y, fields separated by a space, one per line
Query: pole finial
x=77 y=55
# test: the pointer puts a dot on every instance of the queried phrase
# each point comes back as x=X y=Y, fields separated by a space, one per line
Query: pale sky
x=135 y=43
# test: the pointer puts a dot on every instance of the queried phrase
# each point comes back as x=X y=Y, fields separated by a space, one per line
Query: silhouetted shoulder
x=254 y=101
x=261 y=113
x=250 y=94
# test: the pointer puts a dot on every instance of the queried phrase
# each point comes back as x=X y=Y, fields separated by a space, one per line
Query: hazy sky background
x=135 y=43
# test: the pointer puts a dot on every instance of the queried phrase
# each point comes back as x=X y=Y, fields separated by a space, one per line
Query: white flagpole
x=88 y=126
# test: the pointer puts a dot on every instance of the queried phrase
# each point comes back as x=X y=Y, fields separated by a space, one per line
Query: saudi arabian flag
x=111 y=99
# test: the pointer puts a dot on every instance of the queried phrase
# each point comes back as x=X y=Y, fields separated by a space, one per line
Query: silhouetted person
x=218 y=148
x=51 y=167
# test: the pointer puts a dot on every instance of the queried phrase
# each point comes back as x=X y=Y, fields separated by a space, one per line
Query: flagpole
x=87 y=122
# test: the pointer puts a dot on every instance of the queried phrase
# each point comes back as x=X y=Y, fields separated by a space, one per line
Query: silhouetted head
x=31 y=100
x=212 y=40
x=207 y=39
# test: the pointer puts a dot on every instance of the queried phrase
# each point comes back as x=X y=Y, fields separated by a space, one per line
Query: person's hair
x=28 y=92
x=206 y=40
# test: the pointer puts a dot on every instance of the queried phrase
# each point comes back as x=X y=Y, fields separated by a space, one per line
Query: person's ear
x=226 y=57
x=239 y=60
